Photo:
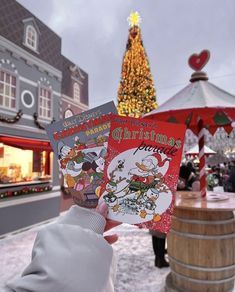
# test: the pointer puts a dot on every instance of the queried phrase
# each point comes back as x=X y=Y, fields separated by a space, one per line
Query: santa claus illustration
x=146 y=175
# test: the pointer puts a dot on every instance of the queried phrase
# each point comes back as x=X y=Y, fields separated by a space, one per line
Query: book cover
x=80 y=145
x=141 y=171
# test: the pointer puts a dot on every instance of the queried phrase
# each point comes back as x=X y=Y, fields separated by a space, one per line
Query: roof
x=195 y=150
x=12 y=25
x=201 y=94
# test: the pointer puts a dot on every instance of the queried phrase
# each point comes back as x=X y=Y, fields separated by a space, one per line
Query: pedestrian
x=229 y=186
x=71 y=255
x=214 y=179
x=186 y=177
x=159 y=242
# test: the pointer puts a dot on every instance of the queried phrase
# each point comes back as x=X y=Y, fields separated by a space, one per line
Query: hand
x=102 y=209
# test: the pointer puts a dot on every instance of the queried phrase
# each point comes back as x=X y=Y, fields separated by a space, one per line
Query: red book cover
x=141 y=171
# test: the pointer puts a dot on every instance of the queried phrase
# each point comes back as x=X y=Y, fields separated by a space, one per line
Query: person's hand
x=102 y=209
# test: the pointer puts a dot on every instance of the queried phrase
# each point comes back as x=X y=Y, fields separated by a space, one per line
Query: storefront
x=25 y=166
x=27 y=185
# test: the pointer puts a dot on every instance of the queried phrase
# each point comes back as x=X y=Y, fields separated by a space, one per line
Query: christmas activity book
x=80 y=145
x=141 y=171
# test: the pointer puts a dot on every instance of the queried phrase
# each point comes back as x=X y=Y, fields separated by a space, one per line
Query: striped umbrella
x=200 y=105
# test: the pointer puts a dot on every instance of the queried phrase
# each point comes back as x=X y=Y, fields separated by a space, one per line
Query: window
x=27 y=98
x=31 y=37
x=68 y=113
x=76 y=91
x=44 y=103
x=7 y=90
x=18 y=165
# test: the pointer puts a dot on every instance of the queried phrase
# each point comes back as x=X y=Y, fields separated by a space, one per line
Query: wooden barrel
x=201 y=250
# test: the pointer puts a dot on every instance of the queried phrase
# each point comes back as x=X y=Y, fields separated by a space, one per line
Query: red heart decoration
x=197 y=62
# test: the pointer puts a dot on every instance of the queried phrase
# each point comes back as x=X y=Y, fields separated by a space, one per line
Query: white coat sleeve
x=70 y=255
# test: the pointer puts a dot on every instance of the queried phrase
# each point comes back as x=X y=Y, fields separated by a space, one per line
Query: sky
x=94 y=36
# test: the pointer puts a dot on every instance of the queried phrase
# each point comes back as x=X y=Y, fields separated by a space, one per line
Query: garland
x=36 y=122
x=13 y=120
x=25 y=191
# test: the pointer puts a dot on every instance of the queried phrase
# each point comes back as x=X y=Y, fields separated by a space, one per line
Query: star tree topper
x=134 y=19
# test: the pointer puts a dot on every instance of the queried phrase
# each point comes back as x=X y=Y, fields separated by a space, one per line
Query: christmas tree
x=136 y=93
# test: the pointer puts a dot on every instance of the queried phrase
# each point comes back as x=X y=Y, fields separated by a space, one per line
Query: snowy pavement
x=135 y=272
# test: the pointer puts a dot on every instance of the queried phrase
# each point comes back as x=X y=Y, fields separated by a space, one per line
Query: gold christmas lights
x=136 y=93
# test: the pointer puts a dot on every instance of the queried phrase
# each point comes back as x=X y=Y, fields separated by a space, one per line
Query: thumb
x=102 y=209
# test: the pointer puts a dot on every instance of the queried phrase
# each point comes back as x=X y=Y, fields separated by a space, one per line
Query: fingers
x=111 y=224
x=111 y=238
x=102 y=209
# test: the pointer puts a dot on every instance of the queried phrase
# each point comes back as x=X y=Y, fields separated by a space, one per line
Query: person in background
x=186 y=177
x=230 y=184
x=214 y=178
x=196 y=183
x=71 y=255
x=159 y=242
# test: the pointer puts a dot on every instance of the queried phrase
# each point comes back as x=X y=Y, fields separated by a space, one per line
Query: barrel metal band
x=205 y=222
x=200 y=268
x=198 y=236
x=199 y=281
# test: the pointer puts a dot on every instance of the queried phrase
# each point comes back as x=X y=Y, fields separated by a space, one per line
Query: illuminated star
x=134 y=19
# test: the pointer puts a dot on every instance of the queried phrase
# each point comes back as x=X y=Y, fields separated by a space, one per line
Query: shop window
x=23 y=166
x=45 y=103
x=31 y=38
x=7 y=90
x=76 y=92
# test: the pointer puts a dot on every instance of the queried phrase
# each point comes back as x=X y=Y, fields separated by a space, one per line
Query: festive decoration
x=202 y=158
x=134 y=19
x=25 y=191
x=136 y=93
x=35 y=116
x=16 y=118
x=197 y=62
x=200 y=105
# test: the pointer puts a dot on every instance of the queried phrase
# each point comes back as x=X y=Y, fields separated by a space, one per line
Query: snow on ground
x=136 y=270
x=135 y=259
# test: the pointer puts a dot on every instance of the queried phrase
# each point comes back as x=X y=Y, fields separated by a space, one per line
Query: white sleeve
x=70 y=255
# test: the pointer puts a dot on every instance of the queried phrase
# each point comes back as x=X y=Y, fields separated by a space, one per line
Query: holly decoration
x=25 y=191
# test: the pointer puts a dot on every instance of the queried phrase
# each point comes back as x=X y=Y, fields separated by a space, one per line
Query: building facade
x=38 y=86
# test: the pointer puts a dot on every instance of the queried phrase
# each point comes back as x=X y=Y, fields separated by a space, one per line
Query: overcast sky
x=94 y=35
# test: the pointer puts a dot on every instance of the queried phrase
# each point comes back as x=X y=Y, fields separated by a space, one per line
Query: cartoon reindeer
x=111 y=188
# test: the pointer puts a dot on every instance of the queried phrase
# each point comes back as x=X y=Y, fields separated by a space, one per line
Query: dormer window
x=31 y=37
x=76 y=91
x=31 y=34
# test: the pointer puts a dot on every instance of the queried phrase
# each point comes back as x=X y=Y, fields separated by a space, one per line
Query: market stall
x=194 y=151
x=201 y=240
x=200 y=105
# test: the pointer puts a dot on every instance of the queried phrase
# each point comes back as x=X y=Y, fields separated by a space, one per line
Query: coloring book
x=80 y=145
x=141 y=171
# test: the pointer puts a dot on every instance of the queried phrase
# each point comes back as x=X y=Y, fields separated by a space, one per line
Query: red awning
x=26 y=144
